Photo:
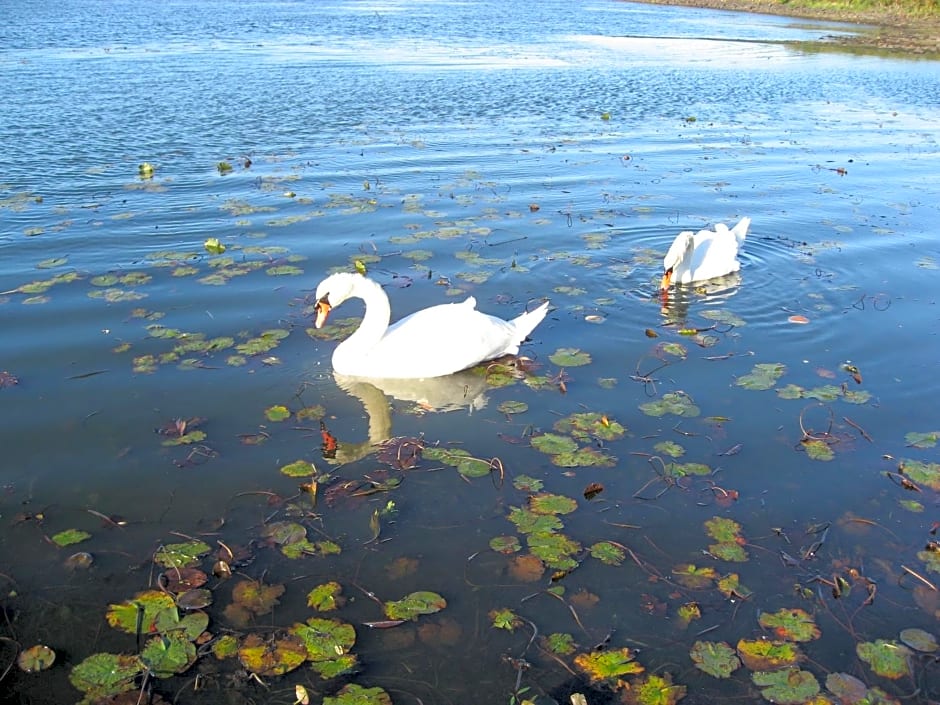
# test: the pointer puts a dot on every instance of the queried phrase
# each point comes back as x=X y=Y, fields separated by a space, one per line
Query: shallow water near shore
x=752 y=460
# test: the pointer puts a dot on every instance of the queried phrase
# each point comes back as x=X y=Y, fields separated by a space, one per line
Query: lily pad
x=414 y=605
x=654 y=689
x=546 y=503
x=35 y=658
x=554 y=444
x=671 y=403
x=103 y=675
x=181 y=555
x=817 y=449
x=256 y=597
x=693 y=577
x=560 y=643
x=919 y=640
x=554 y=549
x=669 y=448
x=889 y=659
x=716 y=659
x=608 y=666
x=791 y=624
x=789 y=686
x=273 y=656
x=723 y=529
x=922 y=473
x=143 y=613
x=764 y=375
x=529 y=522
x=588 y=426
x=526 y=483
x=278 y=412
x=70 y=537
x=922 y=440
x=607 y=552
x=505 y=544
x=352 y=694
x=299 y=468
x=570 y=357
x=326 y=597
x=728 y=551
x=168 y=654
x=325 y=639
x=767 y=655
x=849 y=689
x=505 y=619
x=510 y=407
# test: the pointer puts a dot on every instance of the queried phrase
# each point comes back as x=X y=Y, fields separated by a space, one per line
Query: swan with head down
x=435 y=341
x=704 y=255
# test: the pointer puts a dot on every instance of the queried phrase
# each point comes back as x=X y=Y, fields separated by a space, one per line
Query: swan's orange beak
x=323 y=311
x=667 y=278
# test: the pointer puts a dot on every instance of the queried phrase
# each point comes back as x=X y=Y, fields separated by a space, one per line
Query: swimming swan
x=432 y=342
x=705 y=255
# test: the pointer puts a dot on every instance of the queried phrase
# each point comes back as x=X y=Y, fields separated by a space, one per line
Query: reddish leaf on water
x=401 y=453
x=178 y=428
x=592 y=490
x=801 y=320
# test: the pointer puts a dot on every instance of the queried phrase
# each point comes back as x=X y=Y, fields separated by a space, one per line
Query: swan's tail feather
x=740 y=230
x=526 y=322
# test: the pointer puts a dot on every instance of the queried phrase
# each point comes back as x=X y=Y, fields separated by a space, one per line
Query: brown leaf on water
x=592 y=490
x=526 y=568
x=443 y=632
x=180 y=427
x=402 y=567
x=650 y=333
x=583 y=599
x=177 y=581
x=401 y=453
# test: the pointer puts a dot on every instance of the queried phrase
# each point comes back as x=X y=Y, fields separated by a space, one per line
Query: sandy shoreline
x=885 y=32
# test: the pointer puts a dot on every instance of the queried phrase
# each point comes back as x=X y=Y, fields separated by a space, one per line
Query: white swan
x=432 y=342
x=705 y=255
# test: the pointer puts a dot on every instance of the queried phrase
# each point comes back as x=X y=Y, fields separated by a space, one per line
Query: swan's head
x=333 y=291
x=681 y=249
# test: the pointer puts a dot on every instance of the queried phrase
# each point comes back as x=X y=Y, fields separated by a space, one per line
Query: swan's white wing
x=715 y=254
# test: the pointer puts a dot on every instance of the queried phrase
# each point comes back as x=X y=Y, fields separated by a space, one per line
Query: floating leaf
x=570 y=357
x=512 y=407
x=764 y=375
x=554 y=444
x=921 y=473
x=791 y=624
x=273 y=656
x=256 y=597
x=526 y=568
x=922 y=440
x=886 y=658
x=693 y=577
x=277 y=412
x=325 y=639
x=546 y=503
x=767 y=655
x=588 y=426
x=69 y=537
x=326 y=597
x=415 y=604
x=225 y=646
x=607 y=552
x=717 y=659
x=817 y=449
x=728 y=551
x=168 y=654
x=529 y=522
x=730 y=586
x=352 y=694
x=653 y=689
x=505 y=544
x=555 y=550
x=687 y=612
x=789 y=686
x=560 y=643
x=610 y=665
x=142 y=612
x=849 y=689
x=919 y=640
x=670 y=448
x=671 y=403
x=35 y=658
x=505 y=619
x=527 y=483
x=723 y=529
x=103 y=675
x=180 y=555
x=685 y=469
x=299 y=468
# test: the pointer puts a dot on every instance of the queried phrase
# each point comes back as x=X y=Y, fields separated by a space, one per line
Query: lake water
x=513 y=152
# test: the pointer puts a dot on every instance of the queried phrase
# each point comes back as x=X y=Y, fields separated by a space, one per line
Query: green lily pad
x=723 y=316
x=654 y=689
x=789 y=686
x=505 y=544
x=686 y=469
x=922 y=440
x=723 y=529
x=414 y=605
x=608 y=666
x=688 y=612
x=554 y=549
x=767 y=655
x=693 y=577
x=587 y=426
x=527 y=483
x=889 y=659
x=181 y=555
x=352 y=694
x=102 y=675
x=69 y=537
x=144 y=611
x=817 y=449
x=272 y=656
x=325 y=639
x=730 y=586
x=505 y=619
x=669 y=448
x=560 y=643
x=510 y=407
x=791 y=391
x=919 y=640
x=186 y=439
x=791 y=624
x=570 y=357
x=278 y=412
x=671 y=403
x=584 y=458
x=554 y=444
x=284 y=533
x=764 y=375
x=168 y=654
x=728 y=551
x=256 y=597
x=225 y=646
x=546 y=503
x=326 y=597
x=607 y=552
x=35 y=658
x=716 y=659
x=299 y=468
x=529 y=522
x=922 y=473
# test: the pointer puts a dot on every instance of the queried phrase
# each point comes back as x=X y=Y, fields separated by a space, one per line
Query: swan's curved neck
x=374 y=321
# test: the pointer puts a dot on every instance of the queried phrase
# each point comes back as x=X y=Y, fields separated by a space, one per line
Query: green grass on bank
x=901 y=8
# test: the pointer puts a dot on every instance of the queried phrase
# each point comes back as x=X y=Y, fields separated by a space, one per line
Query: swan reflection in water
x=460 y=391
